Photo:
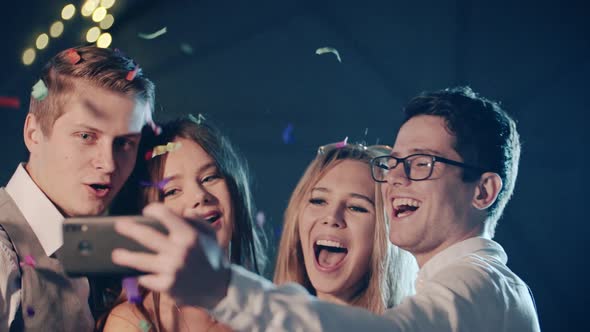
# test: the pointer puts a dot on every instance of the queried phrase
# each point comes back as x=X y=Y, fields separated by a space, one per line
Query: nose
x=199 y=196
x=105 y=159
x=397 y=176
x=335 y=218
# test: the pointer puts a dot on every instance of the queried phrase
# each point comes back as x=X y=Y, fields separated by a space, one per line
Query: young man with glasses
x=459 y=158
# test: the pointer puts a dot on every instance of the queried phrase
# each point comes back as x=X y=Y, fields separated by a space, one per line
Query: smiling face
x=428 y=216
x=90 y=152
x=337 y=228
x=197 y=189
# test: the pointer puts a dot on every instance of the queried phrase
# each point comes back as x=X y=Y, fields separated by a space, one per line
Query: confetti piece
x=160 y=185
x=132 y=73
x=161 y=149
x=152 y=35
x=288 y=134
x=29 y=261
x=73 y=56
x=186 y=48
x=155 y=128
x=144 y=326
x=366 y=131
x=324 y=50
x=39 y=90
x=132 y=289
x=198 y=120
x=277 y=232
x=9 y=102
x=342 y=144
x=260 y=218
x=30 y=311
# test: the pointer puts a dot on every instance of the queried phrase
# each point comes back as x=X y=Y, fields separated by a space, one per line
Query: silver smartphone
x=89 y=242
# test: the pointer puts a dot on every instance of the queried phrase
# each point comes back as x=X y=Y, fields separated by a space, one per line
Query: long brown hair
x=247 y=243
x=390 y=276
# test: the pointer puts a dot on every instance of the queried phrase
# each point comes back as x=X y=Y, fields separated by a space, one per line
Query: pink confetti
x=132 y=73
x=29 y=261
x=9 y=102
x=342 y=144
x=132 y=289
x=73 y=56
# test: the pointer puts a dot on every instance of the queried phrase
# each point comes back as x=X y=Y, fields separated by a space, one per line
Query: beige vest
x=50 y=301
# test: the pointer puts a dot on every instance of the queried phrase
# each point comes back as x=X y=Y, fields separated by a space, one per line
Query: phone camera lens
x=85 y=248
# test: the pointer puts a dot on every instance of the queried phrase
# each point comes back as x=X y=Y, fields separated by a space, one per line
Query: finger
x=156 y=283
x=140 y=261
x=179 y=229
x=142 y=234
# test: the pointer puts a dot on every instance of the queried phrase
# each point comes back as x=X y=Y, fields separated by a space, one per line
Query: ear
x=32 y=132
x=487 y=190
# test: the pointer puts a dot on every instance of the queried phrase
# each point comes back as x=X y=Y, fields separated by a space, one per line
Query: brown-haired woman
x=202 y=177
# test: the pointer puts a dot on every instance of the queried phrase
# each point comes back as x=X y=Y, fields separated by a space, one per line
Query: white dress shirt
x=45 y=221
x=466 y=287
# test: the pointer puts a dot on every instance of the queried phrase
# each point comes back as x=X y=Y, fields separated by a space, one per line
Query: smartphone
x=89 y=242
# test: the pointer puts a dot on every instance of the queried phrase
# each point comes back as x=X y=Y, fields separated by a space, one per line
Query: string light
x=28 y=56
x=104 y=40
x=56 y=29
x=68 y=12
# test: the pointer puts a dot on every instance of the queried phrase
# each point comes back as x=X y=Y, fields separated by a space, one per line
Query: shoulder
x=124 y=317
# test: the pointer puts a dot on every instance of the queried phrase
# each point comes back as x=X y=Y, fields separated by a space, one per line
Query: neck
x=423 y=258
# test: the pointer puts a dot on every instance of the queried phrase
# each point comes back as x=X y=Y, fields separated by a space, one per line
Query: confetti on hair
x=288 y=134
x=30 y=311
x=160 y=185
x=144 y=326
x=132 y=290
x=152 y=35
x=9 y=102
x=29 y=261
x=342 y=144
x=73 y=56
x=198 y=120
x=186 y=48
x=161 y=149
x=277 y=232
x=39 y=90
x=132 y=73
x=260 y=219
x=324 y=50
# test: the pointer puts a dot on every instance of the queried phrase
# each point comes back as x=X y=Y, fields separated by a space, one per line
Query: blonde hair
x=392 y=270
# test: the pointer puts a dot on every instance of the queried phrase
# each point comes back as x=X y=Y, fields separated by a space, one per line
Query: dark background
x=253 y=71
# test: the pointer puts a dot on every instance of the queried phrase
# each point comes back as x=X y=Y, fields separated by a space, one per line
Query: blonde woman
x=335 y=236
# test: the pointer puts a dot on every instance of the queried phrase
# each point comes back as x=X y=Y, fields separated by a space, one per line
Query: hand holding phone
x=89 y=242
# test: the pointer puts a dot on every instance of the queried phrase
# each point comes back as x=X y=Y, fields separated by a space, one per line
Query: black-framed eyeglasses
x=417 y=167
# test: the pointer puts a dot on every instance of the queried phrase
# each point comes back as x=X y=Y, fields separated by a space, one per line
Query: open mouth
x=212 y=218
x=100 y=189
x=403 y=207
x=329 y=254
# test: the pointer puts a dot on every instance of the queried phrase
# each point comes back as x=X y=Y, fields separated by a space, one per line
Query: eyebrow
x=418 y=150
x=354 y=195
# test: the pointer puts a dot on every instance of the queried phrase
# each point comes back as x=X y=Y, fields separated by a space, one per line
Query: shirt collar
x=476 y=245
x=40 y=213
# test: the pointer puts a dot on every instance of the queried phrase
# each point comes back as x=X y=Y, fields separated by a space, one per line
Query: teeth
x=329 y=243
x=405 y=201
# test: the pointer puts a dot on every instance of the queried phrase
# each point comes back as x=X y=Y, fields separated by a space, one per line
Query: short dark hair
x=101 y=67
x=485 y=136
